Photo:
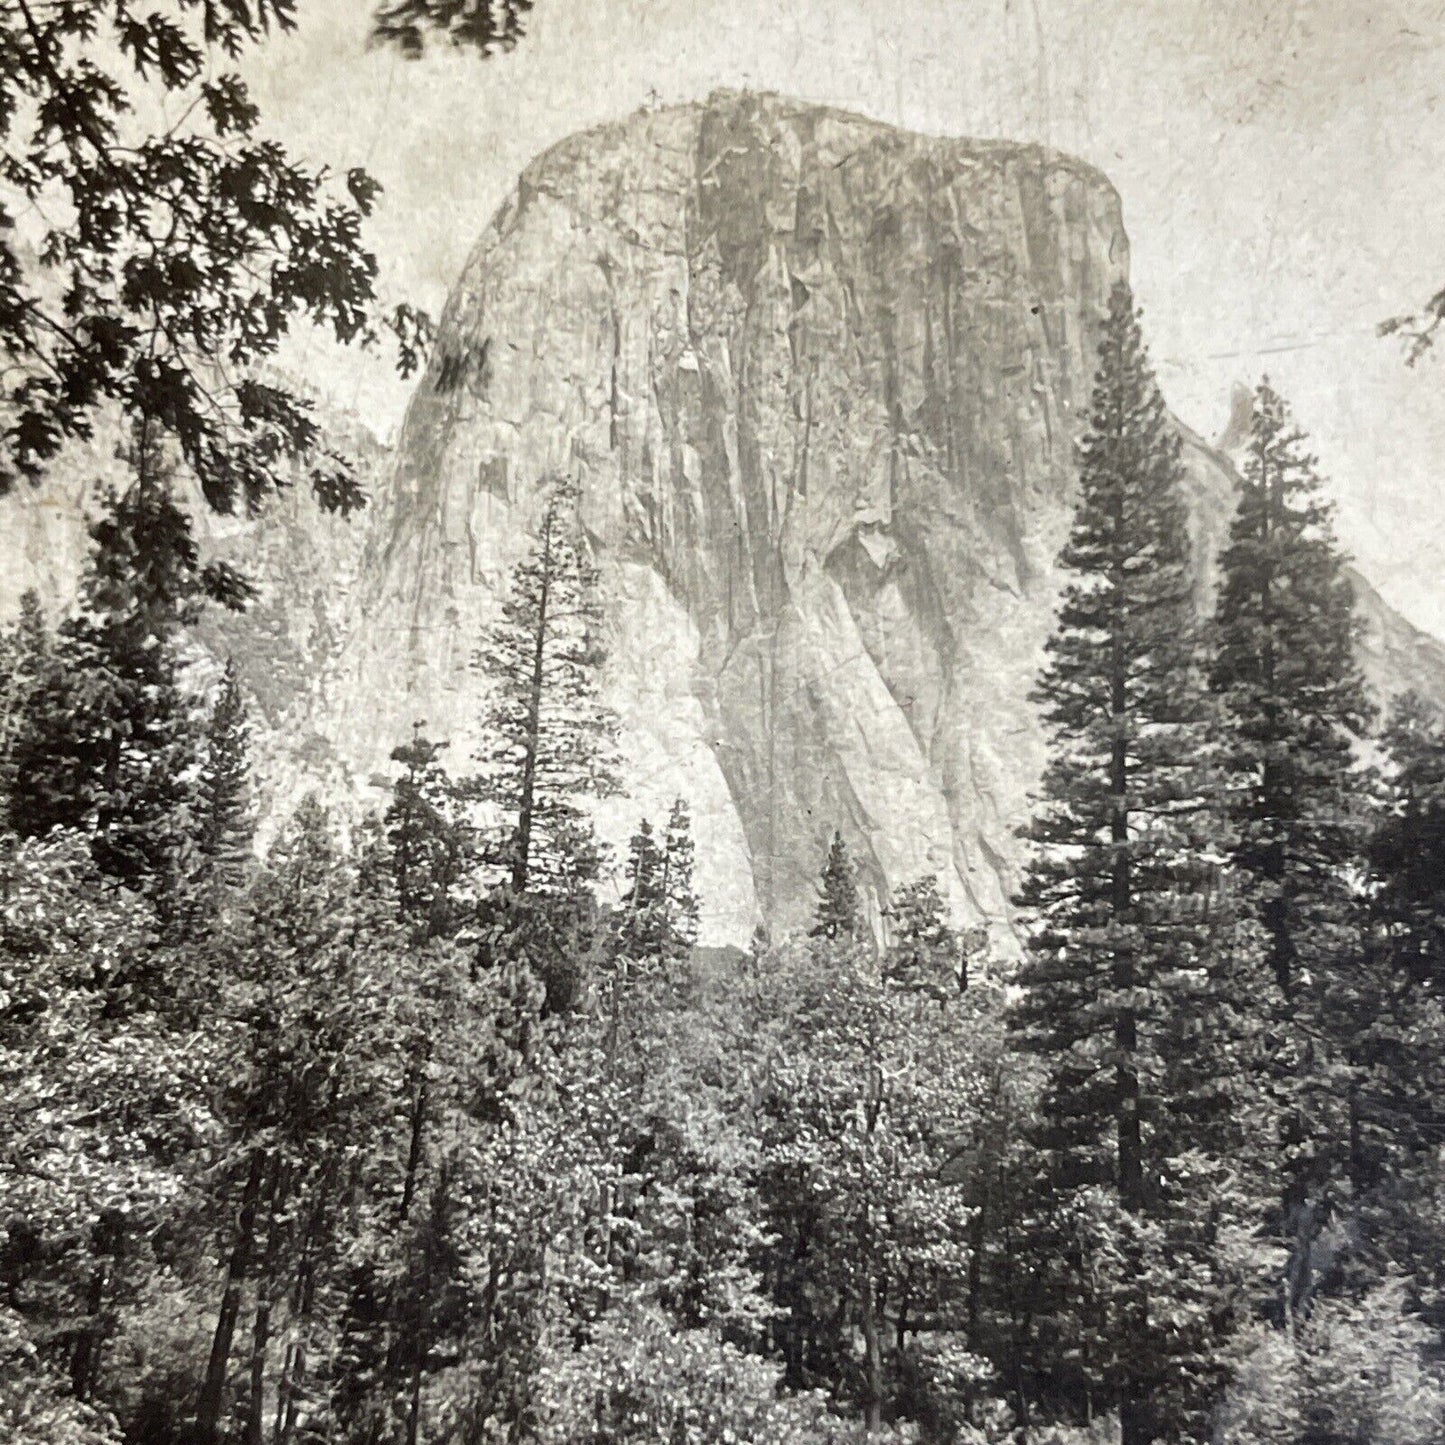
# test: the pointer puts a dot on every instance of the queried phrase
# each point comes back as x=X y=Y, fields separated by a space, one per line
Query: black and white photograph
x=722 y=722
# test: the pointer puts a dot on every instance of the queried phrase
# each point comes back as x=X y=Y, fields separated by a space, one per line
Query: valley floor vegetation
x=392 y=1133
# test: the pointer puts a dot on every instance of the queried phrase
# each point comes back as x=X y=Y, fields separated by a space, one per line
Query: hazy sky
x=1279 y=162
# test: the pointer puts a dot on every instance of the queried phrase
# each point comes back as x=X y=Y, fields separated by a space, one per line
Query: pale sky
x=1280 y=163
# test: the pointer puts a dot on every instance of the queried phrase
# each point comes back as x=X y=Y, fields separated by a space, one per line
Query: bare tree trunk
x=521 y=862
x=261 y=1328
x=418 y=1117
x=289 y=1397
x=213 y=1390
x=85 y=1361
x=413 y=1411
x=260 y=1343
x=872 y=1359
x=977 y=1237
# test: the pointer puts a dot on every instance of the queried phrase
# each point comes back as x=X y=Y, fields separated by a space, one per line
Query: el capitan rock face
x=820 y=381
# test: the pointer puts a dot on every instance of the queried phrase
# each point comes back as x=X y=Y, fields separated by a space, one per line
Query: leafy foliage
x=866 y=1133
x=486 y=26
x=1354 y=1373
x=925 y=951
x=640 y=1379
x=156 y=270
x=399 y=1134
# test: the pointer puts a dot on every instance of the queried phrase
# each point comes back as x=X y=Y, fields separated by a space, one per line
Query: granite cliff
x=821 y=382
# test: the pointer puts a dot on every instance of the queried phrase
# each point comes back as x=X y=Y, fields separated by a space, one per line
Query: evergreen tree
x=642 y=909
x=1294 y=701
x=679 y=859
x=924 y=951
x=1128 y=926
x=108 y=740
x=658 y=914
x=1398 y=1117
x=428 y=840
x=839 y=915
x=1407 y=850
x=226 y=824
x=549 y=740
x=49 y=763
x=25 y=660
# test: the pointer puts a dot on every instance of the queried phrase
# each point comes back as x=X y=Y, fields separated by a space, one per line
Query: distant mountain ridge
x=821 y=382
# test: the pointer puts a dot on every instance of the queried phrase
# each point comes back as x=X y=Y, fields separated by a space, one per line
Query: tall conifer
x=109 y=740
x=1407 y=850
x=1285 y=666
x=1295 y=702
x=428 y=840
x=658 y=913
x=25 y=659
x=839 y=916
x=1129 y=925
x=549 y=742
x=1400 y=1063
x=925 y=952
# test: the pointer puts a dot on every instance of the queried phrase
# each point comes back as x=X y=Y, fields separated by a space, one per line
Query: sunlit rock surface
x=820 y=380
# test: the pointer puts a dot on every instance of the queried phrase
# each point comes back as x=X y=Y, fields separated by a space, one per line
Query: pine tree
x=428 y=840
x=658 y=914
x=549 y=740
x=1295 y=702
x=839 y=915
x=1128 y=924
x=1407 y=850
x=226 y=823
x=1400 y=1061
x=1295 y=698
x=25 y=659
x=924 y=951
x=642 y=909
x=679 y=859
x=109 y=742
x=50 y=770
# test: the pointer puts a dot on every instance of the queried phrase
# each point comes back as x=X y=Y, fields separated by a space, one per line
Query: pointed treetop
x=227 y=822
x=925 y=952
x=839 y=914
